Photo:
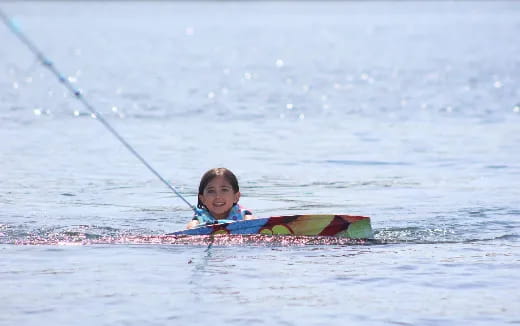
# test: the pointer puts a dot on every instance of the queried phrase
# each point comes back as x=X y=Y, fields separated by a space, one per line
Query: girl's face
x=219 y=197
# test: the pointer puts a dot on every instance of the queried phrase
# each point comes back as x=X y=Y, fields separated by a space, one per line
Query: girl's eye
x=210 y=191
x=225 y=189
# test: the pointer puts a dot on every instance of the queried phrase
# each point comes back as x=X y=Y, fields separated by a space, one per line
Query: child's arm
x=248 y=215
x=192 y=224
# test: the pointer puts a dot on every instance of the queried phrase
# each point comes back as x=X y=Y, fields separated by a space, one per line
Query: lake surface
x=407 y=112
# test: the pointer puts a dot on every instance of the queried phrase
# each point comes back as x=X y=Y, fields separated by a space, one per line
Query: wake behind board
x=344 y=226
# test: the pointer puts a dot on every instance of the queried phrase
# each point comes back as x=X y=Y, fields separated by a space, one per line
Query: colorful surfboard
x=345 y=226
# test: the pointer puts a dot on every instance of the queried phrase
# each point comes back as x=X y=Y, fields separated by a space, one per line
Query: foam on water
x=67 y=239
x=92 y=235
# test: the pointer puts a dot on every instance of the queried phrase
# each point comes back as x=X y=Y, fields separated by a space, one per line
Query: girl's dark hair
x=210 y=175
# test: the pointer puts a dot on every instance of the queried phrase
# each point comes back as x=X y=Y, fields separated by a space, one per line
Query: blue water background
x=407 y=112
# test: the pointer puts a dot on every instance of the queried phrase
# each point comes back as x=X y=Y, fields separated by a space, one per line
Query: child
x=218 y=197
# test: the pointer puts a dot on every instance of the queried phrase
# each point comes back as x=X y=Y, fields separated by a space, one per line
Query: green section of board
x=358 y=230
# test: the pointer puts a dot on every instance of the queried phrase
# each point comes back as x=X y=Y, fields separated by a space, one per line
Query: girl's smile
x=218 y=197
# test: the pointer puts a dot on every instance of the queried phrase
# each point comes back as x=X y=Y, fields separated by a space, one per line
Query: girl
x=218 y=197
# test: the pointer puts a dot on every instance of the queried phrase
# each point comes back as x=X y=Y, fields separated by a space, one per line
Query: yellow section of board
x=310 y=224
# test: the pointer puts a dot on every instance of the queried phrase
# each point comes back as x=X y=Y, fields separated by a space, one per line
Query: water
x=408 y=112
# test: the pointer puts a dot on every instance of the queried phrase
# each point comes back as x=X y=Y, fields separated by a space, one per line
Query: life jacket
x=237 y=213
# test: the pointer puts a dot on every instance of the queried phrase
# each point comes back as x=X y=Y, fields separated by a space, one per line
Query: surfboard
x=344 y=226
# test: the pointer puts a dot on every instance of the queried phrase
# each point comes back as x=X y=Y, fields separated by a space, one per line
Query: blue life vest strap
x=203 y=217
